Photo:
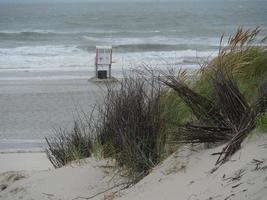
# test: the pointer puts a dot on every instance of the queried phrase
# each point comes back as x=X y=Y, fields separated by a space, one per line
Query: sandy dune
x=85 y=178
x=186 y=175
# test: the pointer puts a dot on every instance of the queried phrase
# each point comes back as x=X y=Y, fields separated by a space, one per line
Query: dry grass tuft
x=130 y=127
x=65 y=147
x=225 y=114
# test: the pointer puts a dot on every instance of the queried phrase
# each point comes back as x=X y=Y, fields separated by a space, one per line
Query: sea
x=56 y=40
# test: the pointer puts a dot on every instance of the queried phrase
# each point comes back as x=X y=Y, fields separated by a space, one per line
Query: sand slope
x=79 y=179
x=186 y=175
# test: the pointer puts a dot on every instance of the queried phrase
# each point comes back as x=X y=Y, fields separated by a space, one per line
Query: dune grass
x=261 y=122
x=228 y=98
x=142 y=117
x=65 y=146
x=246 y=62
x=130 y=127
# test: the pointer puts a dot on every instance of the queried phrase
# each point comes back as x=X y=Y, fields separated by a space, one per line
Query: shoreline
x=18 y=161
x=47 y=99
x=10 y=151
x=32 y=109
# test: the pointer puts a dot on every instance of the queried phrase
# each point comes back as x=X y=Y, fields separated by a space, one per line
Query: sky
x=88 y=1
x=75 y=1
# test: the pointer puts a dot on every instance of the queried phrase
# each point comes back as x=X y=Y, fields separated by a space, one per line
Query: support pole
x=109 y=71
x=96 y=71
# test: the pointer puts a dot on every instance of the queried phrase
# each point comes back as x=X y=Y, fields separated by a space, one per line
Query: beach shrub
x=130 y=127
x=138 y=120
x=261 y=122
x=224 y=99
x=243 y=59
x=65 y=146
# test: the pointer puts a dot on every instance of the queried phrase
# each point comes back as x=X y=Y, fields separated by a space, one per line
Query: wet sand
x=32 y=104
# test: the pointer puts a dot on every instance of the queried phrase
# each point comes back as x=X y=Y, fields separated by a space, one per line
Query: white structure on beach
x=103 y=60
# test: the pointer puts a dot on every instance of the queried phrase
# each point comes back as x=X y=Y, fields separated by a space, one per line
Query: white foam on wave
x=157 y=39
x=42 y=57
x=21 y=145
x=47 y=50
x=170 y=57
x=113 y=40
x=38 y=31
x=88 y=31
x=13 y=150
x=69 y=58
x=18 y=141
x=40 y=78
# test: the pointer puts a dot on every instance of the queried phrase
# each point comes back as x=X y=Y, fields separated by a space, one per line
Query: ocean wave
x=46 y=50
x=30 y=32
x=153 y=41
x=34 y=150
x=78 y=57
x=145 y=47
x=32 y=36
x=121 y=40
x=48 y=56
x=21 y=145
x=136 y=47
x=90 y=31
x=18 y=141
x=131 y=46
x=42 y=31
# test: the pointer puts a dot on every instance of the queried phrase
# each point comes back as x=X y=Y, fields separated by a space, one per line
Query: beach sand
x=31 y=106
x=185 y=175
x=24 y=162
x=85 y=178
x=34 y=103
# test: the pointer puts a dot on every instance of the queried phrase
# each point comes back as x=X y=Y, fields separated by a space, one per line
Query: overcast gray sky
x=75 y=1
